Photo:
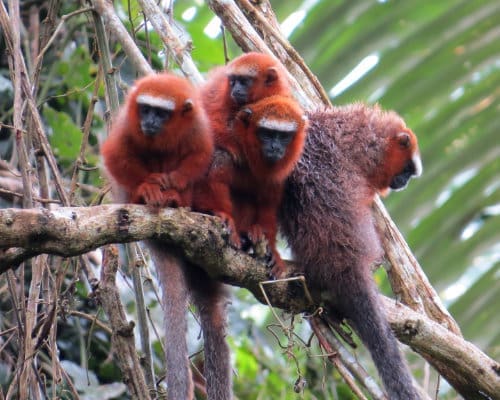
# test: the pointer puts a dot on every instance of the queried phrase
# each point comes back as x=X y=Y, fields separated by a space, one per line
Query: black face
x=240 y=86
x=401 y=180
x=274 y=143
x=152 y=118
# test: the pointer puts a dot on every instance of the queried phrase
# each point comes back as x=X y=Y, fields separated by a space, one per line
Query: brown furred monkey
x=245 y=80
x=160 y=145
x=351 y=153
x=246 y=187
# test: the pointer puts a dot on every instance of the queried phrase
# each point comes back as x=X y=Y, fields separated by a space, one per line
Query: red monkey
x=160 y=145
x=351 y=153
x=248 y=185
x=247 y=79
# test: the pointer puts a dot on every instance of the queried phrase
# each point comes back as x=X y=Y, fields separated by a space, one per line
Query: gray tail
x=358 y=301
x=169 y=268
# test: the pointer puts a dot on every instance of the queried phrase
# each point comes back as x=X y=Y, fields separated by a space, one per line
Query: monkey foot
x=279 y=270
x=234 y=238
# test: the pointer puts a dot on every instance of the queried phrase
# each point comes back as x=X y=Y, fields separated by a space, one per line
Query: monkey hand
x=177 y=180
x=159 y=178
x=234 y=238
x=152 y=195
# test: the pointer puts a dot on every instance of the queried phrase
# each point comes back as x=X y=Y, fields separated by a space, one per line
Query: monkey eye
x=241 y=80
x=404 y=140
x=158 y=112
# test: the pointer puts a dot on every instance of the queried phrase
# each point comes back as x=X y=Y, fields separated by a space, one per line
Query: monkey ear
x=187 y=106
x=271 y=76
x=404 y=139
x=244 y=115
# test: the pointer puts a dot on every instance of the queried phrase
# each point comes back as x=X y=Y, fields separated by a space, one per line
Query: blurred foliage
x=436 y=63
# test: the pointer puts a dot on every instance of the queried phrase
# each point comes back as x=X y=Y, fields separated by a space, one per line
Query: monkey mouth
x=239 y=98
x=272 y=157
x=150 y=130
x=400 y=181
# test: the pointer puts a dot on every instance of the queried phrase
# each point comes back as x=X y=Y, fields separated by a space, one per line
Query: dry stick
x=180 y=51
x=108 y=69
x=122 y=338
x=320 y=331
x=32 y=108
x=136 y=265
x=107 y=12
x=46 y=43
x=269 y=28
x=85 y=137
x=25 y=376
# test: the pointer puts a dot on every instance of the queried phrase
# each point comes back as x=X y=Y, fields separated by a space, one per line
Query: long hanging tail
x=211 y=299
x=357 y=298
x=173 y=283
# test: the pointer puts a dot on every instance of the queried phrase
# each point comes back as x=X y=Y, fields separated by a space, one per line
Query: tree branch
x=69 y=231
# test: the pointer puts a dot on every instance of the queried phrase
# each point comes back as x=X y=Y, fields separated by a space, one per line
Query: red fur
x=161 y=169
x=222 y=109
x=245 y=186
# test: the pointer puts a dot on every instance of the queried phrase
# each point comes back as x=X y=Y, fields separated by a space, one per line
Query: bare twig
x=123 y=331
x=180 y=51
x=321 y=330
x=107 y=12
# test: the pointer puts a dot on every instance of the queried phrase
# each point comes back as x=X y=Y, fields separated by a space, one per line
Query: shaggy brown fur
x=350 y=154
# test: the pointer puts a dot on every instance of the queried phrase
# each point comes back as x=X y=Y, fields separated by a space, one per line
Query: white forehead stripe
x=417 y=162
x=278 y=125
x=153 y=101
x=245 y=70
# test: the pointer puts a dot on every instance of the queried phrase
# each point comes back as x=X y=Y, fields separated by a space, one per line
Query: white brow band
x=417 y=161
x=153 y=101
x=278 y=125
x=245 y=70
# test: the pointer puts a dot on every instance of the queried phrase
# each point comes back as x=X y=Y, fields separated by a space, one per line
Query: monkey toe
x=233 y=237
x=171 y=198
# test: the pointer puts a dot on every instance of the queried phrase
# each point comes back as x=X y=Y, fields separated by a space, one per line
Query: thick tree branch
x=69 y=231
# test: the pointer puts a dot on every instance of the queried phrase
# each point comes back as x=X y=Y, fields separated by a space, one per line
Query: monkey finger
x=160 y=179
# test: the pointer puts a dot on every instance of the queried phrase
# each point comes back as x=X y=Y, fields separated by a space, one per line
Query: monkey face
x=240 y=86
x=153 y=118
x=412 y=168
x=274 y=143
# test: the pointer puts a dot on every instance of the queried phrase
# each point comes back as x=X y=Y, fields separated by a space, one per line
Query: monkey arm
x=124 y=165
x=192 y=166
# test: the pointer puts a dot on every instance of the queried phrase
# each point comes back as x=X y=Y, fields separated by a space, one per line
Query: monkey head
x=159 y=101
x=402 y=160
x=271 y=133
x=254 y=76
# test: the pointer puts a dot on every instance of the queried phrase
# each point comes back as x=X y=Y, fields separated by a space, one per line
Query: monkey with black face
x=351 y=153
x=159 y=147
x=246 y=187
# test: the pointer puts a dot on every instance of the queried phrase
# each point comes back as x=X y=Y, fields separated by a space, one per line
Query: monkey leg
x=211 y=299
x=170 y=271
